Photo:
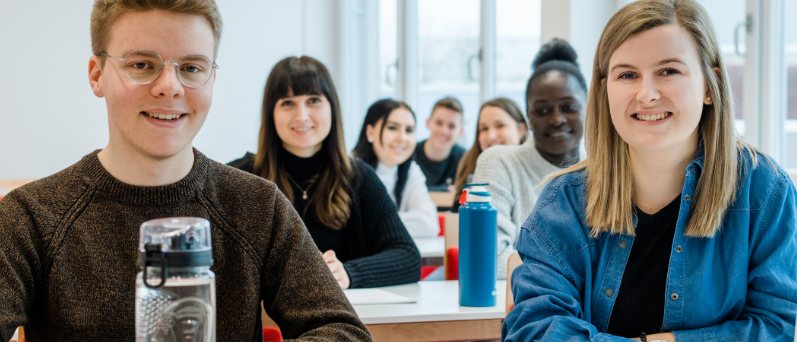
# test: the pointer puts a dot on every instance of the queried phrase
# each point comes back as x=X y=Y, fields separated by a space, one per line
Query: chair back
x=6 y=185
x=441 y=220
x=19 y=335
x=272 y=335
x=514 y=262
x=451 y=242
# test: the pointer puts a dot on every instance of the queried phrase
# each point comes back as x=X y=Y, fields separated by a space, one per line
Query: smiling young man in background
x=439 y=155
x=68 y=242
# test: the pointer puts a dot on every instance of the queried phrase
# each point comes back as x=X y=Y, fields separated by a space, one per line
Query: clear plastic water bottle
x=478 y=220
x=175 y=289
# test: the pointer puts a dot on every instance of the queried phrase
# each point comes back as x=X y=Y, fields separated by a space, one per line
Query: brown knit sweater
x=68 y=249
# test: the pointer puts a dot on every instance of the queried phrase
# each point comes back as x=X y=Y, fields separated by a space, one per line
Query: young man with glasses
x=438 y=156
x=68 y=242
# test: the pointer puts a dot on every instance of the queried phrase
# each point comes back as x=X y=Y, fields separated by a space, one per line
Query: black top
x=374 y=246
x=439 y=175
x=640 y=302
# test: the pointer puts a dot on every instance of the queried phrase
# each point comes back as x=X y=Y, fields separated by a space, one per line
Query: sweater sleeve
x=20 y=262
x=417 y=211
x=490 y=168
x=393 y=257
x=298 y=290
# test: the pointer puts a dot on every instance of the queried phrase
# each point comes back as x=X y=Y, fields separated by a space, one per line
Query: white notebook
x=375 y=296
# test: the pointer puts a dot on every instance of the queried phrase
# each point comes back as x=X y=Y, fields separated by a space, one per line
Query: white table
x=436 y=316
x=433 y=247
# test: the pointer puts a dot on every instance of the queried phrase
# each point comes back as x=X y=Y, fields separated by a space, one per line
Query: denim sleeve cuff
x=697 y=335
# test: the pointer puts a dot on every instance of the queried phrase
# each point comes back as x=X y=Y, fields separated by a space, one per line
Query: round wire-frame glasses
x=144 y=67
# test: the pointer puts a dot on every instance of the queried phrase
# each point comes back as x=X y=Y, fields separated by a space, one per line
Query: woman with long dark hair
x=342 y=202
x=387 y=141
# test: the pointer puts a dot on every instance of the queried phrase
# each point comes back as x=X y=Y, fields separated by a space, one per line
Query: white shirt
x=416 y=210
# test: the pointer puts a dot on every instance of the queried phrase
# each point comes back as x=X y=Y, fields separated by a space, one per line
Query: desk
x=431 y=247
x=436 y=316
x=442 y=199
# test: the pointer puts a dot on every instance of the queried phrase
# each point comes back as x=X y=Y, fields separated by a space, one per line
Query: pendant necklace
x=304 y=191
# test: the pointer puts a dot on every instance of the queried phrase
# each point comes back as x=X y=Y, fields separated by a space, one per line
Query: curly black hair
x=556 y=55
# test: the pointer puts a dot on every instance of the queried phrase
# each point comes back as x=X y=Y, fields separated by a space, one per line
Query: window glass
x=790 y=49
x=448 y=60
x=727 y=15
x=388 y=43
x=518 y=39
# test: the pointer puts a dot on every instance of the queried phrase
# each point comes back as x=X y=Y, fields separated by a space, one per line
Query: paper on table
x=375 y=296
x=14 y=338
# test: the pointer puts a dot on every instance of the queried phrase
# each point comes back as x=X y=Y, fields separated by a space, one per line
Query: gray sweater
x=513 y=173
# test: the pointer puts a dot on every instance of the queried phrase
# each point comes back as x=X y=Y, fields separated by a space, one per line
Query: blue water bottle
x=478 y=221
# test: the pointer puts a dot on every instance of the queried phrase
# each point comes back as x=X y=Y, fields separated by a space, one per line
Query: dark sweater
x=69 y=244
x=640 y=302
x=439 y=174
x=374 y=246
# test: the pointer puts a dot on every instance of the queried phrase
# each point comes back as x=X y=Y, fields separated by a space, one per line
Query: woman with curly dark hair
x=555 y=98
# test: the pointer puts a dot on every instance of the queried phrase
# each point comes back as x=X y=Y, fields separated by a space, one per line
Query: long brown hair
x=333 y=197
x=467 y=165
x=610 y=184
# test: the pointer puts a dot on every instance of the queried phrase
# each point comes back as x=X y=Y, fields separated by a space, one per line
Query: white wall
x=49 y=118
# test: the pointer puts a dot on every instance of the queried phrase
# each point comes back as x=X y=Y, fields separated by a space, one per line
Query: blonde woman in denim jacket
x=673 y=228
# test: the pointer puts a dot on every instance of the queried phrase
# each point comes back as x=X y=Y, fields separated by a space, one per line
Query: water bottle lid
x=477 y=192
x=175 y=241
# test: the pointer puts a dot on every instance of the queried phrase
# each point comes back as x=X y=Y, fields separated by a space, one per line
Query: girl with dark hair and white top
x=387 y=141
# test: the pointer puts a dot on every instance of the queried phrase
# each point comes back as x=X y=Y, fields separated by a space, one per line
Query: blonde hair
x=609 y=178
x=467 y=165
x=106 y=12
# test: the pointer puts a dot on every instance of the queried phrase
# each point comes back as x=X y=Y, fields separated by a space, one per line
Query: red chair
x=272 y=335
x=426 y=270
x=452 y=271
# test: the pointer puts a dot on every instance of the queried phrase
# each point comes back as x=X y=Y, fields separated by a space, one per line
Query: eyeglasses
x=144 y=67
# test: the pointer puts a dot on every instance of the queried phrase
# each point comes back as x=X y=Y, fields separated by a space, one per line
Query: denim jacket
x=740 y=285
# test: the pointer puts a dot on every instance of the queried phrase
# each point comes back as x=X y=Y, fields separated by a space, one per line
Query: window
x=448 y=59
x=449 y=53
x=387 y=48
x=518 y=40
x=728 y=17
x=790 y=50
